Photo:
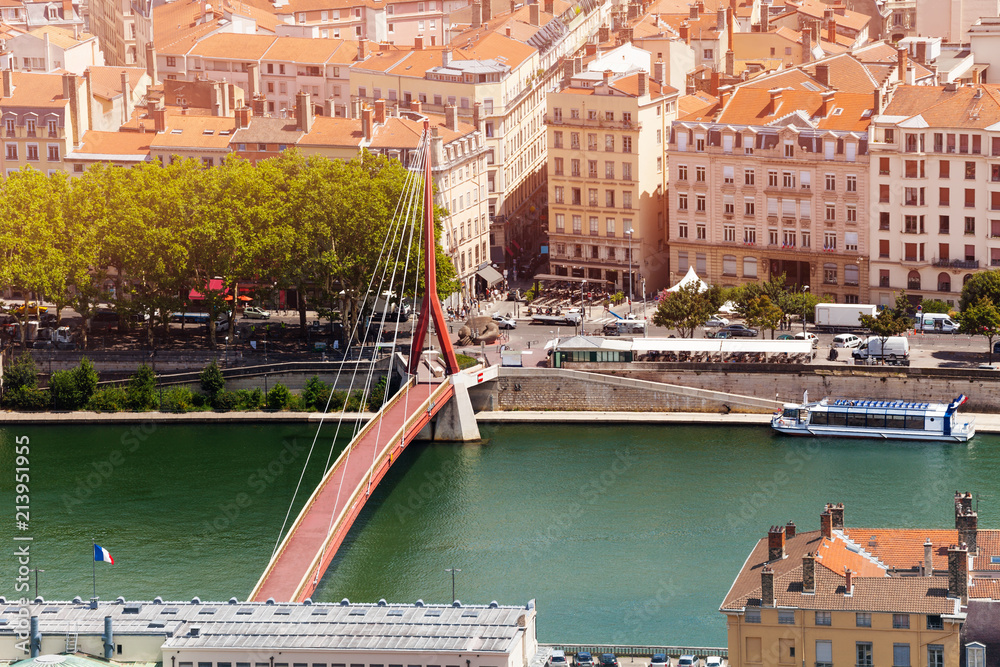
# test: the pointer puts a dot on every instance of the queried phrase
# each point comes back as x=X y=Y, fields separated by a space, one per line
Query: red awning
x=215 y=284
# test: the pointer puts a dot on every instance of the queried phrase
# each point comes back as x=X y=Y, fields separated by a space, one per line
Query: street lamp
x=36 y=570
x=644 y=318
x=629 y=232
x=583 y=308
x=805 y=288
x=453 y=570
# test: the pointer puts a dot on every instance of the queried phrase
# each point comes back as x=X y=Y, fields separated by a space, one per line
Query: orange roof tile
x=231 y=45
x=985 y=588
x=37 y=90
x=114 y=143
x=629 y=85
x=698 y=106
x=749 y=105
x=186 y=131
x=328 y=131
x=943 y=108
x=836 y=556
x=106 y=82
x=304 y=50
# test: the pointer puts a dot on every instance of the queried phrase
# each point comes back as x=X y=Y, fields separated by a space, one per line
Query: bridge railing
x=637 y=651
x=415 y=416
x=319 y=487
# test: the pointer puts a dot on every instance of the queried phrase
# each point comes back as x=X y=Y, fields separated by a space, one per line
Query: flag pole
x=94 y=564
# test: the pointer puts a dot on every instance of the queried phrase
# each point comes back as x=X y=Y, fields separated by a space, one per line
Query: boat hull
x=820 y=431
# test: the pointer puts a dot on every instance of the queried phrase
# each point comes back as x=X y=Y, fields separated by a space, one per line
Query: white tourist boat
x=870 y=418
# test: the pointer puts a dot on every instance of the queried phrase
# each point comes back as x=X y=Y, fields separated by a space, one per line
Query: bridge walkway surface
x=313 y=539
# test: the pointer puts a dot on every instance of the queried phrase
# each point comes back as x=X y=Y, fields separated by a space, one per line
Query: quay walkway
x=313 y=539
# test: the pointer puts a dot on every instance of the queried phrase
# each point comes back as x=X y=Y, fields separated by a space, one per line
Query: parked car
x=713 y=661
x=785 y=337
x=558 y=659
x=808 y=335
x=739 y=331
x=659 y=660
x=717 y=321
x=611 y=329
x=584 y=659
x=718 y=334
x=609 y=660
x=846 y=340
x=255 y=313
x=504 y=321
x=687 y=661
x=32 y=308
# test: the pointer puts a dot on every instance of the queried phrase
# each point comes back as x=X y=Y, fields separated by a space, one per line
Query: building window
x=729 y=269
x=53 y=152
x=592 y=197
x=749 y=267
x=609 y=143
x=748 y=177
x=787 y=179
x=863 y=620
x=557 y=137
x=883 y=220
x=682 y=202
x=699 y=174
x=750 y=235
x=789 y=149
x=609 y=169
x=32 y=152
x=934 y=622
x=682 y=230
x=626 y=145
x=831 y=212
x=748 y=206
x=682 y=172
x=577 y=194
x=772 y=178
x=944 y=224
x=824 y=652
x=829 y=240
x=560 y=222
x=729 y=234
x=772 y=236
x=829 y=278
x=728 y=174
x=831 y=182
x=935 y=654
x=626 y=171
x=883 y=166
x=594 y=222
x=559 y=163
x=559 y=194
x=970 y=170
x=626 y=199
x=701 y=232
x=864 y=653
x=577 y=224
x=806 y=239
x=970 y=226
x=609 y=198
x=852 y=213
x=659 y=165
x=851 y=241
x=700 y=203
x=975 y=655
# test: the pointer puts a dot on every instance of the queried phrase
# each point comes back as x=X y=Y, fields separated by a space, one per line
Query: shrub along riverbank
x=77 y=389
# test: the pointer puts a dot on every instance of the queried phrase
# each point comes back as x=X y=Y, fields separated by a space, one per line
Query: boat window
x=818 y=418
x=915 y=422
x=876 y=420
x=838 y=418
x=895 y=421
x=789 y=413
x=856 y=419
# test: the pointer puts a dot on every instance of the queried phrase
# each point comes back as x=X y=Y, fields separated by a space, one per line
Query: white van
x=937 y=322
x=896 y=347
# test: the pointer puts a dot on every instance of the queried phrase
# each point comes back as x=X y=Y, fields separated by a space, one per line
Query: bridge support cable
x=409 y=191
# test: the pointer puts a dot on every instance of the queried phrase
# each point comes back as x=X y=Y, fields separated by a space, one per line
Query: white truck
x=842 y=316
x=936 y=323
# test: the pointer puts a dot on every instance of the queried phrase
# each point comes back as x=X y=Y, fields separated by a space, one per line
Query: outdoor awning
x=569 y=279
x=490 y=275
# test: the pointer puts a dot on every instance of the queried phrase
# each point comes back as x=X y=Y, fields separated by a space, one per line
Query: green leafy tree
x=934 y=306
x=762 y=313
x=684 y=310
x=982 y=284
x=889 y=322
x=73 y=389
x=279 y=397
x=981 y=319
x=212 y=380
x=141 y=391
x=22 y=374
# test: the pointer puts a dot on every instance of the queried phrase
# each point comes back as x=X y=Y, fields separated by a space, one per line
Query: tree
x=212 y=380
x=684 y=310
x=762 y=313
x=141 y=392
x=72 y=389
x=934 y=306
x=981 y=319
x=886 y=324
x=981 y=284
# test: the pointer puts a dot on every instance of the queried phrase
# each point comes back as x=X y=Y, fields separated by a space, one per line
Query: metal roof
x=250 y=625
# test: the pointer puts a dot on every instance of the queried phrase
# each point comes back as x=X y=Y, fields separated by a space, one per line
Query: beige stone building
x=607 y=179
x=935 y=174
x=867 y=596
x=775 y=183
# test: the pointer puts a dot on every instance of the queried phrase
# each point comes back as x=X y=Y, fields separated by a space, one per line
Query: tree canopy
x=143 y=238
x=687 y=308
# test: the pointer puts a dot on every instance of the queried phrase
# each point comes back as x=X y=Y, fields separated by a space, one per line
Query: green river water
x=622 y=535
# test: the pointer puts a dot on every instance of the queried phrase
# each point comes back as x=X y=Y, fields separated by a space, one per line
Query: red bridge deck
x=311 y=543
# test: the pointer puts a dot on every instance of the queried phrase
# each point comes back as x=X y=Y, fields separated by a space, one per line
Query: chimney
x=418 y=43
x=660 y=73
x=534 y=14
x=70 y=93
x=806 y=46
x=837 y=512
x=607 y=77
x=477 y=13
x=901 y=60
x=827 y=105
x=911 y=76
x=160 y=119
x=775 y=102
x=966 y=521
x=766 y=587
x=958 y=572
x=823 y=74
x=578 y=65
x=826 y=525
x=685 y=32
x=126 y=97
x=487 y=10
x=876 y=101
x=362 y=49
x=730 y=28
x=550 y=7
x=713 y=85
x=304 y=111
x=922 y=53
x=603 y=34
x=848 y=583
x=730 y=62
x=8 y=83
x=513 y=6
x=253 y=79
x=367 y=116
x=831 y=30
x=720 y=19
x=776 y=543
x=451 y=117
x=567 y=69
x=243 y=116
x=765 y=18
x=790 y=530
x=416 y=105
x=477 y=116
x=151 y=67
x=380 y=112
x=258 y=103
x=693 y=12
x=809 y=573
x=46 y=46
x=508 y=31
x=446 y=58
x=643 y=84
x=724 y=93
x=928 y=558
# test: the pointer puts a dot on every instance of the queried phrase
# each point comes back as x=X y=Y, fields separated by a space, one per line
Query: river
x=622 y=535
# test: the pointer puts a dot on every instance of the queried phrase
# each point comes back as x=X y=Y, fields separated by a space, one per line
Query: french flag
x=101 y=555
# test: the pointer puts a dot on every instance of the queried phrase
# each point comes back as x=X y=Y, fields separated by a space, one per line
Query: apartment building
x=839 y=24
x=113 y=22
x=44 y=117
x=49 y=49
x=27 y=15
x=607 y=179
x=951 y=19
x=918 y=597
x=935 y=173
x=776 y=183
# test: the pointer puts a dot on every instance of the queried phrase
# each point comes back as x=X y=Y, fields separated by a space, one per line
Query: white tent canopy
x=690 y=278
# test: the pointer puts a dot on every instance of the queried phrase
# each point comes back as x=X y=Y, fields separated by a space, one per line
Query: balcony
x=957 y=263
x=550 y=119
